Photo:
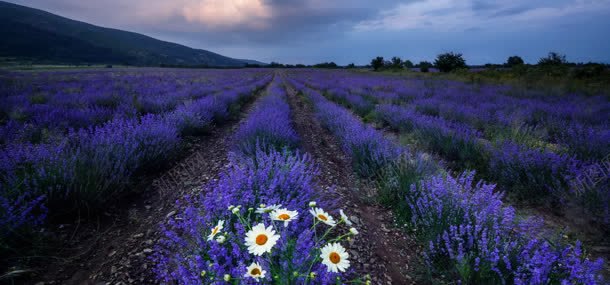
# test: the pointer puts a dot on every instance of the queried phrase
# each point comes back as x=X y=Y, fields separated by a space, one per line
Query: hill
x=38 y=36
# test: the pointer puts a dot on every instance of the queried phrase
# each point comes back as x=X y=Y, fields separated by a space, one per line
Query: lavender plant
x=268 y=126
x=253 y=226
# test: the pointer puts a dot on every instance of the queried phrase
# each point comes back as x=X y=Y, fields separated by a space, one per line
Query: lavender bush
x=257 y=222
x=76 y=138
x=268 y=126
x=469 y=234
x=369 y=150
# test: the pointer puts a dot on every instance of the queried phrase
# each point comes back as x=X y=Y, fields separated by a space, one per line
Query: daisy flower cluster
x=261 y=239
x=274 y=235
x=256 y=224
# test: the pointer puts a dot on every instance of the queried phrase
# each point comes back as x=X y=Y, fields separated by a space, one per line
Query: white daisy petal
x=284 y=215
x=335 y=257
x=255 y=271
x=217 y=229
x=267 y=209
x=344 y=218
x=322 y=216
x=260 y=240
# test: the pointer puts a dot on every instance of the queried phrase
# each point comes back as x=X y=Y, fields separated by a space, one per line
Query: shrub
x=424 y=66
x=448 y=62
x=514 y=61
x=396 y=63
x=588 y=71
x=407 y=64
x=377 y=63
x=552 y=59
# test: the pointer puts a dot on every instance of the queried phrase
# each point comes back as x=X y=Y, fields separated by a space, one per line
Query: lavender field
x=300 y=176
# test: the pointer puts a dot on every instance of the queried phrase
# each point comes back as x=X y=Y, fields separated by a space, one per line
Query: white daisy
x=323 y=216
x=216 y=229
x=335 y=257
x=267 y=209
x=312 y=204
x=354 y=231
x=260 y=239
x=284 y=215
x=221 y=239
x=255 y=271
x=344 y=218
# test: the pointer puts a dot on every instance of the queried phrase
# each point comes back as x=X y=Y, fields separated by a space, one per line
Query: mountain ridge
x=37 y=35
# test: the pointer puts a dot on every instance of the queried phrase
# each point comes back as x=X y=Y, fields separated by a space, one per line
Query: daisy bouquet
x=279 y=252
x=274 y=235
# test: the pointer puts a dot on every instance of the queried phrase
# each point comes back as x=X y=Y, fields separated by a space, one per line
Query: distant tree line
x=554 y=64
x=329 y=65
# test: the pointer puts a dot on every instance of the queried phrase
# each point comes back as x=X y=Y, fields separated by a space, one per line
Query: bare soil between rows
x=380 y=249
x=117 y=249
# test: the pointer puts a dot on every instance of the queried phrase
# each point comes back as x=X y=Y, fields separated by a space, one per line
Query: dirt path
x=119 y=252
x=380 y=250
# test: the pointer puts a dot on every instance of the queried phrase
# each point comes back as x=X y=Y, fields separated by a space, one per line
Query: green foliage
x=351 y=66
x=424 y=66
x=450 y=61
x=396 y=63
x=514 y=60
x=396 y=180
x=589 y=70
x=377 y=63
x=326 y=65
x=553 y=59
x=407 y=64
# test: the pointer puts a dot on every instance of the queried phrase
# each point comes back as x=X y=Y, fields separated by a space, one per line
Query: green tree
x=377 y=63
x=407 y=64
x=553 y=59
x=424 y=66
x=450 y=61
x=396 y=63
x=514 y=61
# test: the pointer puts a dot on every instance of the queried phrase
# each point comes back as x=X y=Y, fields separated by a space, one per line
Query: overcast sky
x=345 y=31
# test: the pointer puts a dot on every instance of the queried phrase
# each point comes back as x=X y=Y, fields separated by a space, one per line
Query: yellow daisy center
x=255 y=271
x=283 y=217
x=322 y=217
x=214 y=230
x=334 y=257
x=261 y=239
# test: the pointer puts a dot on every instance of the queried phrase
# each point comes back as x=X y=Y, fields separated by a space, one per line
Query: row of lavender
x=496 y=134
x=469 y=235
x=252 y=225
x=88 y=166
x=578 y=125
x=41 y=108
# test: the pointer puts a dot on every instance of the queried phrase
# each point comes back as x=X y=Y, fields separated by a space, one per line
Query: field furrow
x=381 y=250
